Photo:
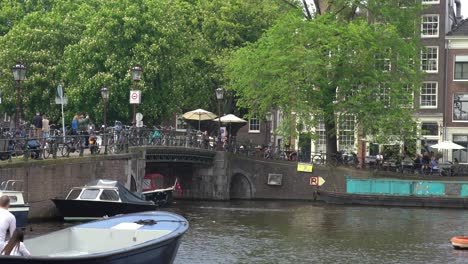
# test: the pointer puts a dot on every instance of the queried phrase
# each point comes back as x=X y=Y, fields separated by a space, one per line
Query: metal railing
x=115 y=140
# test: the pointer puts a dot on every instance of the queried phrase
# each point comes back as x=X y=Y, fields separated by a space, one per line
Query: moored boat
x=400 y=192
x=18 y=207
x=391 y=200
x=101 y=198
x=153 y=189
x=459 y=242
x=140 y=238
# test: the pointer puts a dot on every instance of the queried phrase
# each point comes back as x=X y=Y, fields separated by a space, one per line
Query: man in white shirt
x=7 y=219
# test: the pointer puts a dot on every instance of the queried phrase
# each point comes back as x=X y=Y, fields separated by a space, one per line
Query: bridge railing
x=113 y=141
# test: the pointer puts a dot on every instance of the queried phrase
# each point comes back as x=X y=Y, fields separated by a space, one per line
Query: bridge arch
x=240 y=186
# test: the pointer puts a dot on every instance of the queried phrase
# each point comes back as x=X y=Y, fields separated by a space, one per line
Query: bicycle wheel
x=64 y=150
x=47 y=150
x=317 y=160
x=116 y=148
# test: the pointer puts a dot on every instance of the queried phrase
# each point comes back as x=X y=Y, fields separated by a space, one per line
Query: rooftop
x=460 y=30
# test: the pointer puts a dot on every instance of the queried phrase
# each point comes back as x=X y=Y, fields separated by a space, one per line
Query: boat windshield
x=109 y=195
x=89 y=194
x=13 y=199
x=74 y=194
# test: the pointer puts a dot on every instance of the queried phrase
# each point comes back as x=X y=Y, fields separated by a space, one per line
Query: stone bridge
x=203 y=174
x=218 y=175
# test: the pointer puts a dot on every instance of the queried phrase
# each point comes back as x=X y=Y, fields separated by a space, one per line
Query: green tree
x=39 y=41
x=333 y=65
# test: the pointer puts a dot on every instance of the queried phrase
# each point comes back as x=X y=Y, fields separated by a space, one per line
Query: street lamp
x=268 y=128
x=105 y=99
x=19 y=74
x=136 y=76
x=219 y=96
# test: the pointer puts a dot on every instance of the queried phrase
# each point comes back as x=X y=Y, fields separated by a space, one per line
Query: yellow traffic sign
x=305 y=167
x=316 y=181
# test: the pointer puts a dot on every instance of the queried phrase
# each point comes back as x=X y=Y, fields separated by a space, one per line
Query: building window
x=430 y=2
x=407 y=97
x=321 y=142
x=429 y=26
x=429 y=59
x=384 y=95
x=254 y=125
x=346 y=133
x=460 y=107
x=461 y=68
x=181 y=125
x=382 y=62
x=428 y=97
x=460 y=154
x=430 y=129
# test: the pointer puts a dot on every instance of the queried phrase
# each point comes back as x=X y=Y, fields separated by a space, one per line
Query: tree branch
x=308 y=15
x=289 y=3
x=317 y=7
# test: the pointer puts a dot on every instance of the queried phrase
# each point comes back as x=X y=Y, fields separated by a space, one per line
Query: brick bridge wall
x=47 y=179
x=236 y=177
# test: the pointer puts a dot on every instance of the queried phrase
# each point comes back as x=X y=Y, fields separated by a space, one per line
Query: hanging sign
x=316 y=181
x=304 y=167
x=135 y=97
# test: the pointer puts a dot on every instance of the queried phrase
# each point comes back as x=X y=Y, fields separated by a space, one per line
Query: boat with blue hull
x=140 y=238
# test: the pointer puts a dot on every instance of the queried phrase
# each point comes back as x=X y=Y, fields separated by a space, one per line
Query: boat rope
x=153 y=222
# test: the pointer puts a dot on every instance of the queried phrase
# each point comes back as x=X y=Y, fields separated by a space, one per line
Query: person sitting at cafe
x=417 y=162
x=434 y=165
x=426 y=162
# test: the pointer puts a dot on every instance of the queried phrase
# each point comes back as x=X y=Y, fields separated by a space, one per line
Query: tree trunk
x=330 y=132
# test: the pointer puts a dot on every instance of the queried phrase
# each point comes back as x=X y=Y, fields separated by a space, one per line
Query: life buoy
x=460 y=242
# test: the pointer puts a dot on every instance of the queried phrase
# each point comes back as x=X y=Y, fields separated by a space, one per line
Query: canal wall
x=236 y=177
x=47 y=179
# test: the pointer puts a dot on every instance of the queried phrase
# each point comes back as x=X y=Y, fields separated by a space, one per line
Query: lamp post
x=219 y=96
x=19 y=74
x=268 y=129
x=136 y=76
x=105 y=99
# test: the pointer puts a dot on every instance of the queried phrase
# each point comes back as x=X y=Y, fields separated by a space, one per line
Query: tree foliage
x=335 y=64
x=87 y=44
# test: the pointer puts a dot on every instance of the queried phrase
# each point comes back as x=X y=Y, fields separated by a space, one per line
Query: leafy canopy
x=332 y=66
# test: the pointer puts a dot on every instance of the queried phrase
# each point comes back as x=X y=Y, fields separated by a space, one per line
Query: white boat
x=140 y=238
x=20 y=209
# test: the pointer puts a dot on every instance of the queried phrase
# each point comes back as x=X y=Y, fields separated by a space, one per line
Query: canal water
x=312 y=232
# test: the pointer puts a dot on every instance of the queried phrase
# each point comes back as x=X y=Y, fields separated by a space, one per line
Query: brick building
x=439 y=17
x=456 y=107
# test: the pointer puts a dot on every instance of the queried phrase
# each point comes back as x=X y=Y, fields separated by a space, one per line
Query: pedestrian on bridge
x=37 y=122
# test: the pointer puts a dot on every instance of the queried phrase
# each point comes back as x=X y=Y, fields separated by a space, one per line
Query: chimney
x=458 y=11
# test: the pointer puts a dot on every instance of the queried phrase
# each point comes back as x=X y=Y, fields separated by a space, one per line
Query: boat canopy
x=125 y=195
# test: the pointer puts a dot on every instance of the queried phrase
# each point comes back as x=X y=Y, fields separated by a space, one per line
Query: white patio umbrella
x=230 y=119
x=447 y=145
x=199 y=114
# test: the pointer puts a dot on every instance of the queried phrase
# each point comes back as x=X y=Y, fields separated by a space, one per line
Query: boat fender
x=146 y=222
